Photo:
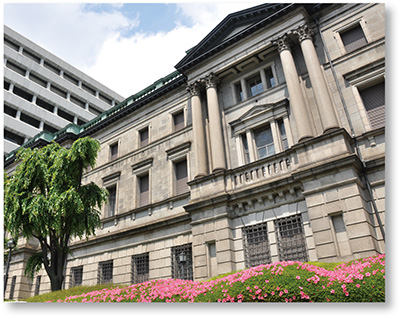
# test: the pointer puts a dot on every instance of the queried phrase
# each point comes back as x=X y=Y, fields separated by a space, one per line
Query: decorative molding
x=210 y=81
x=111 y=179
x=194 y=88
x=304 y=32
x=179 y=151
x=143 y=166
x=282 y=43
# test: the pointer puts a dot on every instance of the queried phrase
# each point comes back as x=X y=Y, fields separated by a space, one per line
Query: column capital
x=194 y=88
x=304 y=32
x=211 y=80
x=282 y=43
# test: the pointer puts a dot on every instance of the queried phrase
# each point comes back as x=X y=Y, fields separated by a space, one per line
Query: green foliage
x=34 y=265
x=53 y=296
x=45 y=199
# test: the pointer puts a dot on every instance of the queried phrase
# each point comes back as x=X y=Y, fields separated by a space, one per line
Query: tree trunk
x=56 y=283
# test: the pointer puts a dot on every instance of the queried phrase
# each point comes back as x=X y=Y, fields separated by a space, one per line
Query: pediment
x=229 y=29
x=259 y=114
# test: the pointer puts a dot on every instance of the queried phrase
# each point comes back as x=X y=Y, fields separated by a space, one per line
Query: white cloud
x=67 y=30
x=97 y=44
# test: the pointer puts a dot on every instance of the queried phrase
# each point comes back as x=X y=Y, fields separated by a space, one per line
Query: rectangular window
x=45 y=105
x=65 y=115
x=105 y=273
x=255 y=85
x=373 y=98
x=76 y=276
x=6 y=85
x=10 y=111
x=77 y=101
x=58 y=91
x=112 y=198
x=181 y=260
x=239 y=92
x=49 y=128
x=245 y=149
x=14 y=138
x=12 y=45
x=291 y=239
x=179 y=121
x=353 y=38
x=144 y=136
x=71 y=79
x=113 y=151
x=16 y=68
x=94 y=110
x=23 y=94
x=181 y=177
x=264 y=142
x=269 y=75
x=37 y=285
x=51 y=67
x=144 y=190
x=89 y=89
x=140 y=268
x=29 y=120
x=105 y=99
x=282 y=132
x=256 y=246
x=38 y=80
x=31 y=55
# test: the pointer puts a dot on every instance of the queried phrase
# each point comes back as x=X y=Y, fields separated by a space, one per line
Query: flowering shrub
x=288 y=281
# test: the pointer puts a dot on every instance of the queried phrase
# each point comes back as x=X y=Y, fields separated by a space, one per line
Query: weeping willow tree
x=45 y=199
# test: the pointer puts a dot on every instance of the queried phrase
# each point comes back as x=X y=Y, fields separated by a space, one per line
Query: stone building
x=266 y=144
x=43 y=92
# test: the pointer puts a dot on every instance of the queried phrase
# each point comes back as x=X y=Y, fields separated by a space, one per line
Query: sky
x=125 y=46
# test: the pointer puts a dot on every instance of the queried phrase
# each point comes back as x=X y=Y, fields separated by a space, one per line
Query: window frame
x=100 y=273
x=139 y=170
x=111 y=181
x=112 y=156
x=179 y=126
x=177 y=190
x=140 y=131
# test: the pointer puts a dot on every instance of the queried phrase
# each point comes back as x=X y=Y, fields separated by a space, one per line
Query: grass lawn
x=361 y=280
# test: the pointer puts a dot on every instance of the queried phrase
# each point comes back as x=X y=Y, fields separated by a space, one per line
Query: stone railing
x=261 y=170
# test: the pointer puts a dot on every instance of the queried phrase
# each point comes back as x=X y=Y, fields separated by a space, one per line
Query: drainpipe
x=353 y=135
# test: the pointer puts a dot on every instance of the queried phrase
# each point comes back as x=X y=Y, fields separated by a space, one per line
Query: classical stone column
x=199 y=139
x=320 y=88
x=297 y=103
x=217 y=142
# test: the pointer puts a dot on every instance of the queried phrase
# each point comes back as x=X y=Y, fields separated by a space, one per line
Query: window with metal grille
x=113 y=151
x=373 y=98
x=144 y=136
x=12 y=288
x=353 y=38
x=143 y=190
x=140 y=268
x=179 y=121
x=255 y=85
x=76 y=276
x=105 y=274
x=256 y=245
x=291 y=239
x=181 y=177
x=112 y=196
x=282 y=132
x=264 y=142
x=37 y=285
x=181 y=260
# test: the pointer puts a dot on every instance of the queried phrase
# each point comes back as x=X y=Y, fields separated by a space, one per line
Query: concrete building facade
x=266 y=144
x=43 y=92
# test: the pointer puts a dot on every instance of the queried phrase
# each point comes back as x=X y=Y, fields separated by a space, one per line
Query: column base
x=331 y=129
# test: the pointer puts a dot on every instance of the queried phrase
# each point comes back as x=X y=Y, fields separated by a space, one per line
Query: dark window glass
x=181 y=260
x=113 y=151
x=10 y=111
x=179 y=121
x=23 y=94
x=144 y=137
x=264 y=142
x=255 y=85
x=256 y=245
x=140 y=268
x=29 y=120
x=105 y=274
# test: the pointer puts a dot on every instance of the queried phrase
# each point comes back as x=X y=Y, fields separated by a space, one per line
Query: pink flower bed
x=288 y=281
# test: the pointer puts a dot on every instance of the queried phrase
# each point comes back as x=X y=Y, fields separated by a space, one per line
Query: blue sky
x=125 y=46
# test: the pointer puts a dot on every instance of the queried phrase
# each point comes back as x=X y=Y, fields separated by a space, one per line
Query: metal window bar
x=140 y=268
x=12 y=288
x=76 y=276
x=256 y=245
x=105 y=273
x=37 y=286
x=291 y=239
x=182 y=269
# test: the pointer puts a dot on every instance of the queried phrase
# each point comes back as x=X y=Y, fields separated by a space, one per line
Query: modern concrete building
x=42 y=92
x=266 y=144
